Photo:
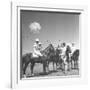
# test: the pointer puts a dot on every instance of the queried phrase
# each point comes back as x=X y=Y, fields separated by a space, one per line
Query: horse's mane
x=46 y=50
x=49 y=46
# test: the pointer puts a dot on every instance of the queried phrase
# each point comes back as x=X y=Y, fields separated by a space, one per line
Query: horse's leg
x=53 y=65
x=65 y=67
x=62 y=66
x=47 y=66
x=74 y=64
x=24 y=69
x=70 y=65
x=67 y=64
x=44 y=69
x=60 y=63
x=56 y=65
x=32 y=66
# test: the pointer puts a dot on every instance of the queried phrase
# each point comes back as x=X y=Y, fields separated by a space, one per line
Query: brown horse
x=53 y=56
x=75 y=58
x=27 y=58
x=25 y=61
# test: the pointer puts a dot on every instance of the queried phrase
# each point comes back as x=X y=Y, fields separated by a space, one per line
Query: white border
x=15 y=80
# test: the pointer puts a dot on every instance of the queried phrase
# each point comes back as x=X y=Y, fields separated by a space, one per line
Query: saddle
x=36 y=57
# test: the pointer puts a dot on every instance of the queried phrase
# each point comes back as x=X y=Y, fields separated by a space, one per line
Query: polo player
x=37 y=48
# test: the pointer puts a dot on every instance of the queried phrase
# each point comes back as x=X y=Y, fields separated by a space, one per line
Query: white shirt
x=36 y=50
x=63 y=50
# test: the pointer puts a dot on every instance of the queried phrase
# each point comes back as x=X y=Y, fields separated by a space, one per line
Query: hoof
x=24 y=76
x=32 y=74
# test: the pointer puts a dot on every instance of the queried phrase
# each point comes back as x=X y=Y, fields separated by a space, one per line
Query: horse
x=42 y=60
x=58 y=58
x=75 y=58
x=52 y=56
x=25 y=61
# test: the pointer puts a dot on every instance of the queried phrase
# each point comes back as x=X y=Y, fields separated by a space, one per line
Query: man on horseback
x=37 y=48
x=37 y=56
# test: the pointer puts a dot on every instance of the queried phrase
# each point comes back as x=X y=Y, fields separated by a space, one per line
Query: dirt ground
x=38 y=71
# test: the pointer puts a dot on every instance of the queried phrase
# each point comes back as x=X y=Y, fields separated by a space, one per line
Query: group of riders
x=37 y=48
x=65 y=52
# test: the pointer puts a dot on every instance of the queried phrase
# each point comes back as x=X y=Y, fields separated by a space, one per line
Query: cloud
x=35 y=27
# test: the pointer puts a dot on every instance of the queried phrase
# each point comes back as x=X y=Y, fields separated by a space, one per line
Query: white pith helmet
x=73 y=44
x=37 y=40
x=40 y=43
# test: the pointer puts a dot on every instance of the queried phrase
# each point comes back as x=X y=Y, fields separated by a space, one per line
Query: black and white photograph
x=45 y=45
x=50 y=44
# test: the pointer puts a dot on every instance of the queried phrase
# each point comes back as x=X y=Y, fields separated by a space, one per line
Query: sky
x=54 y=26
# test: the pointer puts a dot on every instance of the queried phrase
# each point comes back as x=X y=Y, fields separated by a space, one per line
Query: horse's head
x=58 y=51
x=50 y=47
x=68 y=49
x=48 y=50
x=51 y=50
